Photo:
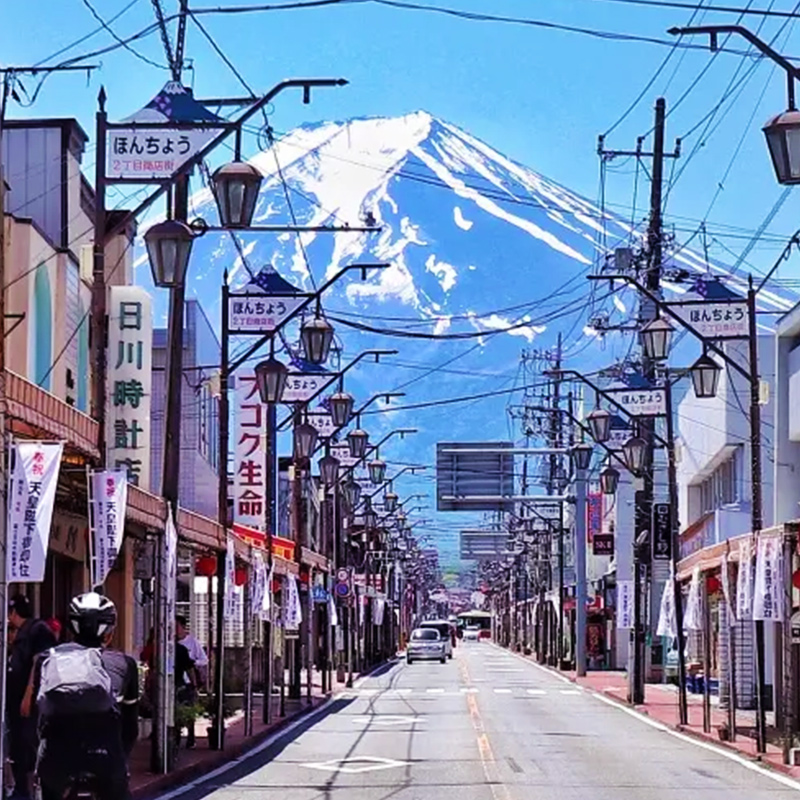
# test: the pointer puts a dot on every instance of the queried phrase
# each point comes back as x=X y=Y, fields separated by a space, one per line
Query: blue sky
x=541 y=96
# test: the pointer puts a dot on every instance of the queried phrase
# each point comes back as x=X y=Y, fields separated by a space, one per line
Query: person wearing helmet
x=87 y=699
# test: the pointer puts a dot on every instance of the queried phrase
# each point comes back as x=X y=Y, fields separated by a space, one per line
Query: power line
x=759 y=12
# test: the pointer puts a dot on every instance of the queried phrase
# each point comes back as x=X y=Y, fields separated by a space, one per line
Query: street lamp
x=609 y=480
x=271 y=377
x=656 y=337
x=235 y=187
x=358 y=439
x=705 y=376
x=341 y=407
x=305 y=440
x=169 y=244
x=316 y=336
x=377 y=471
x=783 y=141
x=634 y=451
x=390 y=502
x=582 y=456
x=352 y=493
x=600 y=424
x=329 y=469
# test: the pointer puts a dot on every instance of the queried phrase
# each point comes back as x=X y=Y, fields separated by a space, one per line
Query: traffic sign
x=342 y=575
x=342 y=590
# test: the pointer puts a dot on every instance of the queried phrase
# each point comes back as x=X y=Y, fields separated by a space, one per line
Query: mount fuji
x=481 y=249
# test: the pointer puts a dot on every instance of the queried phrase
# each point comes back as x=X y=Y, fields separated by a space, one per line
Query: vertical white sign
x=624 y=604
x=744 y=582
x=259 y=584
x=293 y=614
x=108 y=499
x=130 y=370
x=31 y=495
x=768 y=594
x=667 y=625
x=333 y=616
x=724 y=569
x=249 y=498
x=168 y=593
x=230 y=580
x=693 y=618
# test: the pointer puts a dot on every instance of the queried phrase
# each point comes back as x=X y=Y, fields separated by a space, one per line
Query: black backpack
x=74 y=682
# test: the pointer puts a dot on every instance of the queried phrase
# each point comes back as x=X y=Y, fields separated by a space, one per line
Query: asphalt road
x=485 y=726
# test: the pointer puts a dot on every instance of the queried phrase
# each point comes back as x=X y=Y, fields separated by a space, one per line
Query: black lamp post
x=358 y=440
x=390 y=502
x=783 y=140
x=316 y=336
x=705 y=374
x=634 y=451
x=341 y=407
x=271 y=377
x=352 y=493
x=609 y=480
x=235 y=187
x=656 y=337
x=169 y=245
x=377 y=471
x=329 y=469
x=305 y=440
x=582 y=456
x=600 y=424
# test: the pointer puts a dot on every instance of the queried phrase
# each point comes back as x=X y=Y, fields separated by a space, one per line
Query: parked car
x=446 y=631
x=426 y=644
x=472 y=633
x=485 y=633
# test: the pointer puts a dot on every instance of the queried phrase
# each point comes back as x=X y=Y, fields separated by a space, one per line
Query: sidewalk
x=661 y=705
x=200 y=760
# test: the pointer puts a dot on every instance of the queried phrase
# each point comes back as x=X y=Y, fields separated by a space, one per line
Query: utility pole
x=647 y=311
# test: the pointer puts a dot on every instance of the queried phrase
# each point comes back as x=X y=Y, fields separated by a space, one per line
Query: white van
x=445 y=631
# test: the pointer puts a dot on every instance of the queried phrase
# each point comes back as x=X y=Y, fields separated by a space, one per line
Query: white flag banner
x=230 y=580
x=693 y=619
x=624 y=604
x=266 y=600
x=171 y=545
x=108 y=500
x=768 y=594
x=259 y=584
x=31 y=494
x=744 y=582
x=293 y=614
x=725 y=574
x=378 y=611
x=333 y=615
x=667 y=625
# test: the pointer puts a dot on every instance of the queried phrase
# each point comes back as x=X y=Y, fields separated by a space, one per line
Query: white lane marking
x=469 y=689
x=388 y=719
x=435 y=691
x=502 y=691
x=525 y=660
x=403 y=691
x=537 y=691
x=355 y=764
x=785 y=780
x=572 y=691
x=503 y=669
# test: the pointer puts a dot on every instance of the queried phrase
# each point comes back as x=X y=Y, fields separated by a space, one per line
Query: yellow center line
x=498 y=788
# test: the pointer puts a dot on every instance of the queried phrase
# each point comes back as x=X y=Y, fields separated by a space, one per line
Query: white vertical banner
x=333 y=616
x=108 y=500
x=768 y=594
x=33 y=477
x=667 y=625
x=744 y=581
x=378 y=607
x=266 y=600
x=624 y=604
x=249 y=481
x=230 y=580
x=259 y=584
x=693 y=618
x=168 y=621
x=724 y=569
x=293 y=610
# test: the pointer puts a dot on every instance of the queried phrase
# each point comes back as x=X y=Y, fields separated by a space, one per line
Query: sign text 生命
x=249 y=481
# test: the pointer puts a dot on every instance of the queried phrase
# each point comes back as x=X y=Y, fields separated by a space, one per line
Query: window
x=83 y=362
x=41 y=329
x=724 y=485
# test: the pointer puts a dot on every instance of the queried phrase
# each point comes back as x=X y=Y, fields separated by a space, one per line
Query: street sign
x=319 y=594
x=474 y=476
x=342 y=590
x=662 y=532
x=796 y=627
x=724 y=319
x=323 y=422
x=603 y=544
x=302 y=386
x=641 y=402
x=548 y=511
x=617 y=437
x=342 y=452
x=256 y=313
x=624 y=604
x=342 y=575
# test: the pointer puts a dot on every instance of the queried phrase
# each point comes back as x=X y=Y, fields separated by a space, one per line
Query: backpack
x=74 y=682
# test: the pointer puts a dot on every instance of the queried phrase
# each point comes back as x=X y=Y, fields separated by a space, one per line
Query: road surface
x=486 y=726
